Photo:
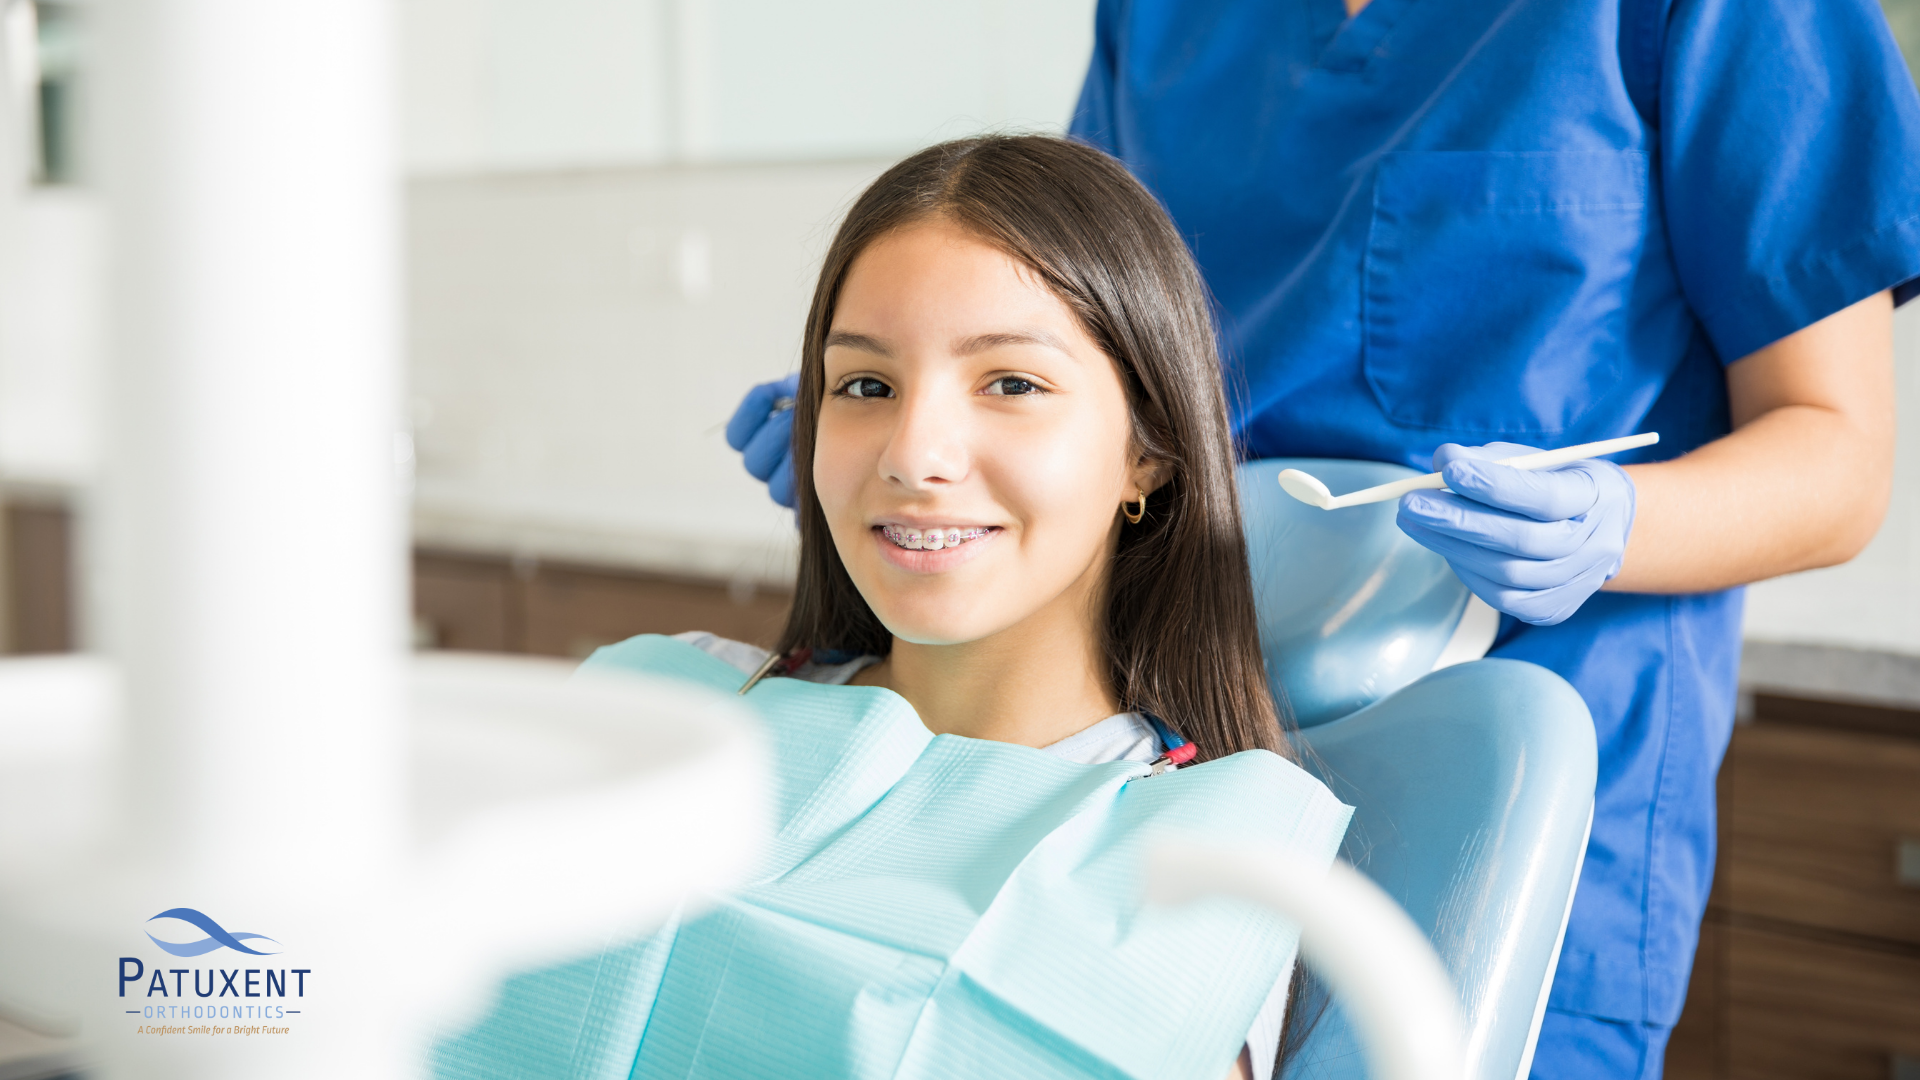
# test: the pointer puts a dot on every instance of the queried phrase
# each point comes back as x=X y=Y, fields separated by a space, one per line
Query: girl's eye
x=866 y=386
x=1012 y=385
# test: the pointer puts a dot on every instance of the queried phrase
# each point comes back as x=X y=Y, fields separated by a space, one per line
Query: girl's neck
x=1033 y=684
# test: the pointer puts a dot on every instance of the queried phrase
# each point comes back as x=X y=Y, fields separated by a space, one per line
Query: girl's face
x=973 y=445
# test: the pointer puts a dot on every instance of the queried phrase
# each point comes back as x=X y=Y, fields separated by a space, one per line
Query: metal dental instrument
x=784 y=664
x=1307 y=489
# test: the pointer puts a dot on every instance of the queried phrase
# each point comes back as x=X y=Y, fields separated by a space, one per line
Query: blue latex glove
x=764 y=437
x=1534 y=544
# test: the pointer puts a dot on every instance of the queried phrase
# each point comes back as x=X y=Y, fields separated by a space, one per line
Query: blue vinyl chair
x=1472 y=779
x=1472 y=782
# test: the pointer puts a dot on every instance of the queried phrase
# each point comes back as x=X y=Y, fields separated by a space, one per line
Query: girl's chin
x=931 y=639
x=935 y=624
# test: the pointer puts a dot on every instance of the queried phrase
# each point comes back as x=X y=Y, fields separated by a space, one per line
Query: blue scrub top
x=1540 y=222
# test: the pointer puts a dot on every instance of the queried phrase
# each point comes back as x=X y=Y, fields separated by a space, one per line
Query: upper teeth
x=930 y=539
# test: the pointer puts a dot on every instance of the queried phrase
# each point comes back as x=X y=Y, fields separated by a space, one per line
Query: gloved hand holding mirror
x=1531 y=543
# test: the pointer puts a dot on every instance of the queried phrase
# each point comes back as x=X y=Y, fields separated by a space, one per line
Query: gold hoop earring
x=1137 y=512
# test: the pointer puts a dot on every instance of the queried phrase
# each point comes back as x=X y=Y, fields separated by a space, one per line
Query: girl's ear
x=1150 y=473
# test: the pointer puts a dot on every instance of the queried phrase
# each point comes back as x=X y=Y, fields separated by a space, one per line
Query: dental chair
x=1472 y=779
x=1472 y=782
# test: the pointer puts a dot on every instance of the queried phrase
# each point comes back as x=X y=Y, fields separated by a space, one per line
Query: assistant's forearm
x=1797 y=488
x=1802 y=482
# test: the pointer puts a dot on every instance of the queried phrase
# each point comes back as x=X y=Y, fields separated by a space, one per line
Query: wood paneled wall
x=1809 y=961
x=37 y=598
x=508 y=605
x=460 y=601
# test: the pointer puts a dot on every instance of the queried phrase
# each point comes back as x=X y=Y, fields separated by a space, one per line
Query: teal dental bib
x=931 y=906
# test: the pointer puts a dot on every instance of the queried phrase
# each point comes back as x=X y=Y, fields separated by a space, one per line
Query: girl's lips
x=930 y=562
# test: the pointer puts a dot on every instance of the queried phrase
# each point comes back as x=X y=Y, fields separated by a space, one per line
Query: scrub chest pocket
x=1495 y=289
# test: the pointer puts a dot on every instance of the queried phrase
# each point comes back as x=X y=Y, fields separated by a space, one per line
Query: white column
x=253 y=550
x=16 y=21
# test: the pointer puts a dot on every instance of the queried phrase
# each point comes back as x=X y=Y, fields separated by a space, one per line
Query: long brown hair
x=1180 y=636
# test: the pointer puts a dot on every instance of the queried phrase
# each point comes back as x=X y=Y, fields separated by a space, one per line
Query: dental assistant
x=1544 y=223
x=1439 y=227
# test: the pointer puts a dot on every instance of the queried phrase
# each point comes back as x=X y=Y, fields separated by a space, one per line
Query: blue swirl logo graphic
x=217 y=936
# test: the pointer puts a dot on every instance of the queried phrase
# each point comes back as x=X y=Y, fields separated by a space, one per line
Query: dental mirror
x=1308 y=489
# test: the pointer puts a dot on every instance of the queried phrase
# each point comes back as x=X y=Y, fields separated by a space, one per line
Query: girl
x=1022 y=573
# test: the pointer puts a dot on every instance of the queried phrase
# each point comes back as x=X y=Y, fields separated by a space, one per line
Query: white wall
x=51 y=286
x=578 y=341
x=492 y=84
x=50 y=339
x=1874 y=601
x=498 y=84
x=616 y=211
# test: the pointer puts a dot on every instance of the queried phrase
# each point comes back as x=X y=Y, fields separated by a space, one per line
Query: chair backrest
x=1473 y=794
x=1472 y=786
x=1350 y=608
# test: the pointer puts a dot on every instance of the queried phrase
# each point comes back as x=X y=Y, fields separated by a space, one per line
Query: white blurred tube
x=253 y=540
x=247 y=580
x=1378 y=963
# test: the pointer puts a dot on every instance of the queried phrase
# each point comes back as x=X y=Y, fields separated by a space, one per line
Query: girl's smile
x=933 y=550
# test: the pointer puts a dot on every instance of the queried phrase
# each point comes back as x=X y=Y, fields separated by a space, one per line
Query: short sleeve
x=1790 y=137
x=1093 y=116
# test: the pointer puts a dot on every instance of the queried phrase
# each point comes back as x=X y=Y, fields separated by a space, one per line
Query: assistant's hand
x=1534 y=544
x=764 y=436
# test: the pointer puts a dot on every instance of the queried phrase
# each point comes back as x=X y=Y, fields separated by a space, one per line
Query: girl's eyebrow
x=848 y=340
x=983 y=342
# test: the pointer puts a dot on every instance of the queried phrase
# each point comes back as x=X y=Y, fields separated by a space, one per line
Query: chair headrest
x=1350 y=608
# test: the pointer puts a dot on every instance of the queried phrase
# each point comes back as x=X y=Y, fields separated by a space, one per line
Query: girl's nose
x=928 y=445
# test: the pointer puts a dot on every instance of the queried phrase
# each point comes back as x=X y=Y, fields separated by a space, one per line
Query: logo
x=259 y=995
x=217 y=936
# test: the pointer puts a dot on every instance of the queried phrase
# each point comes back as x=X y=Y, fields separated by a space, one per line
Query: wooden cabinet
x=1697 y=1049
x=1799 y=1005
x=461 y=602
x=36 y=576
x=1814 y=826
x=1809 y=965
x=488 y=603
x=495 y=604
